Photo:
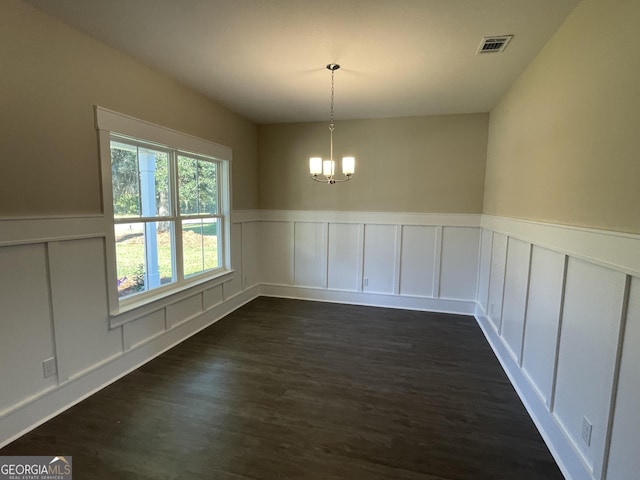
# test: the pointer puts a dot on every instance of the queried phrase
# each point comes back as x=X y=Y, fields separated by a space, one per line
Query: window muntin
x=163 y=199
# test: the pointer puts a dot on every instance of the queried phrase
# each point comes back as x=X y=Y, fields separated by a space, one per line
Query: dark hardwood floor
x=287 y=389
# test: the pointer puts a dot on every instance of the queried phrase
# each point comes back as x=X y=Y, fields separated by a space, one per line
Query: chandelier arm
x=330 y=180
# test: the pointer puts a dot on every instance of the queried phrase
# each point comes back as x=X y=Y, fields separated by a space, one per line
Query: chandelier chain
x=332 y=122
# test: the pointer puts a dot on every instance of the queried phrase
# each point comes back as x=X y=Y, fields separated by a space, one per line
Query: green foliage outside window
x=125 y=180
x=146 y=260
x=197 y=184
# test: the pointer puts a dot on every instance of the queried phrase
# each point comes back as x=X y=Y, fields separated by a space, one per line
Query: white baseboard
x=560 y=446
x=443 y=305
x=53 y=402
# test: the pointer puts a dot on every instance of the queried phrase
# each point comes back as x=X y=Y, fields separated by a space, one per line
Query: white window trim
x=108 y=122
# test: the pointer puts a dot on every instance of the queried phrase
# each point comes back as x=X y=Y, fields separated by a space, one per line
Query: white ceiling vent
x=494 y=44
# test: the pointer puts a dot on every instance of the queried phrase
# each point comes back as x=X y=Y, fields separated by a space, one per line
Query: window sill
x=135 y=308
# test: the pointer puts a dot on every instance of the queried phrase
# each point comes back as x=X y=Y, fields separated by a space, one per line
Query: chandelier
x=324 y=171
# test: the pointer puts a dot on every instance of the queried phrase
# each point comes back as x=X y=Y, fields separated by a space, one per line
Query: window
x=167 y=207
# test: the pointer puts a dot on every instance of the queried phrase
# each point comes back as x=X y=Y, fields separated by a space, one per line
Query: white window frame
x=109 y=122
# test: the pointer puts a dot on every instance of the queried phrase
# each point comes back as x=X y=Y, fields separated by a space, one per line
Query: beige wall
x=51 y=76
x=564 y=143
x=412 y=164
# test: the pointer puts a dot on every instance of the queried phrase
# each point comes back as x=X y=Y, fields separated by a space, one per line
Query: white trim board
x=245 y=216
x=372 y=218
x=25 y=230
x=116 y=122
x=609 y=248
x=616 y=250
x=404 y=302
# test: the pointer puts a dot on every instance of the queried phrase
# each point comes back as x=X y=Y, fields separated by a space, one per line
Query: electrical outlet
x=586 y=430
x=49 y=367
x=365 y=282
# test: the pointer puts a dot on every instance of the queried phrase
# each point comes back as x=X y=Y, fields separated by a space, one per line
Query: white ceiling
x=265 y=59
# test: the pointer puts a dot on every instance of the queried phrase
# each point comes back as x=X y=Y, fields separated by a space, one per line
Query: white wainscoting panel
x=546 y=282
x=345 y=257
x=418 y=259
x=80 y=306
x=591 y=319
x=515 y=296
x=379 y=258
x=624 y=456
x=215 y=296
x=459 y=262
x=310 y=254
x=484 y=269
x=27 y=331
x=496 y=279
x=275 y=252
x=250 y=263
x=184 y=310
x=143 y=329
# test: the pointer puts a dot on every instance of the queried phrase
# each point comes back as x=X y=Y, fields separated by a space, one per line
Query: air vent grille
x=495 y=44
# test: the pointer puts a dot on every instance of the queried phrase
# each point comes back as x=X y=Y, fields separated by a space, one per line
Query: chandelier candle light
x=324 y=170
